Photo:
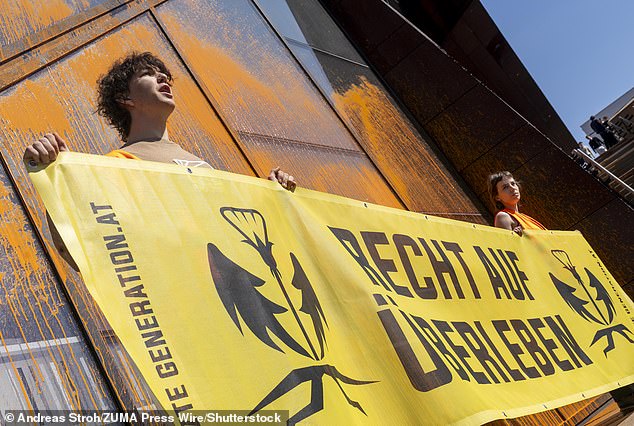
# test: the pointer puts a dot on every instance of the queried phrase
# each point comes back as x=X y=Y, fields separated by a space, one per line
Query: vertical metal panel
x=45 y=363
x=251 y=76
x=337 y=171
x=403 y=156
x=265 y=96
x=24 y=24
x=61 y=97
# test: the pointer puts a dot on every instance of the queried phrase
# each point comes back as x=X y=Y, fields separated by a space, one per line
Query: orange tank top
x=524 y=220
x=119 y=153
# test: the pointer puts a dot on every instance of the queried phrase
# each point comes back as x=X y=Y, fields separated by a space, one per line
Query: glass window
x=411 y=164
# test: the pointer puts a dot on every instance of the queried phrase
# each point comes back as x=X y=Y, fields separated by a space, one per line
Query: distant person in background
x=602 y=130
x=579 y=159
x=584 y=148
x=596 y=144
x=505 y=194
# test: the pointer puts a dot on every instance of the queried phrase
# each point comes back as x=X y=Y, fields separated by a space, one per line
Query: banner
x=231 y=293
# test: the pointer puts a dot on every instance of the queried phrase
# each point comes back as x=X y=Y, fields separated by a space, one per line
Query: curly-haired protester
x=136 y=98
x=505 y=194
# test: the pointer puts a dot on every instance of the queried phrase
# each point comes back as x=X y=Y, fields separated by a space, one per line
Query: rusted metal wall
x=252 y=93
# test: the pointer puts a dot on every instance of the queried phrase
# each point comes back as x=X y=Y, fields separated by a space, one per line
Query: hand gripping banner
x=230 y=293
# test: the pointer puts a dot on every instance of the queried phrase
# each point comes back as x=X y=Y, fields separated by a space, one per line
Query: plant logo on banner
x=238 y=291
x=598 y=309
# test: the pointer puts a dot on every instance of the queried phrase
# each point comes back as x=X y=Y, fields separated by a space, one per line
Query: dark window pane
x=306 y=21
x=411 y=164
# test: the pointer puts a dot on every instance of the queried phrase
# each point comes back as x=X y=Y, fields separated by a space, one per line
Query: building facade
x=348 y=96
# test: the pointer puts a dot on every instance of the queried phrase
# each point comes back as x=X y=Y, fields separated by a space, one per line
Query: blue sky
x=578 y=51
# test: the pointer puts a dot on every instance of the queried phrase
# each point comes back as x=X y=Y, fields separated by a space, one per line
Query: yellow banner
x=232 y=293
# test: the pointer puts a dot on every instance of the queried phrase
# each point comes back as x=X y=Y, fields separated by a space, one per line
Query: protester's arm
x=41 y=152
x=505 y=221
x=45 y=149
x=287 y=181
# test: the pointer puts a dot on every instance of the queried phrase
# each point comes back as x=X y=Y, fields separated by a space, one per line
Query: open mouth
x=165 y=88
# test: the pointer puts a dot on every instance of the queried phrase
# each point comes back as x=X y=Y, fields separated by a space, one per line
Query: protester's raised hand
x=287 y=181
x=45 y=149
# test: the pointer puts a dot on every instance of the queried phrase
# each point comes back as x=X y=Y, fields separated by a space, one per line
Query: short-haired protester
x=505 y=194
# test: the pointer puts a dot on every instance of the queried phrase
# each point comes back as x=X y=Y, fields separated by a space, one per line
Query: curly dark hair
x=113 y=86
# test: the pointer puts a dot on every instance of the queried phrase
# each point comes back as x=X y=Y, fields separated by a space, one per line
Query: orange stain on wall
x=29 y=290
x=22 y=18
x=61 y=98
x=268 y=95
x=412 y=168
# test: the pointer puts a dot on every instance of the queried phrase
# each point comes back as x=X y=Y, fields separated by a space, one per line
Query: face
x=508 y=192
x=150 y=92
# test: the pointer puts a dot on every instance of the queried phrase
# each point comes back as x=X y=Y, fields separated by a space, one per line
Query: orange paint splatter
x=413 y=169
x=262 y=92
x=21 y=18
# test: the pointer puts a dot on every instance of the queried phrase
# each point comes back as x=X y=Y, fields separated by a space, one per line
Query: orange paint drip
x=21 y=18
x=31 y=278
x=262 y=93
x=413 y=169
x=16 y=374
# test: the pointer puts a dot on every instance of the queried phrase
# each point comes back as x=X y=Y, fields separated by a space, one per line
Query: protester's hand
x=518 y=230
x=287 y=181
x=45 y=149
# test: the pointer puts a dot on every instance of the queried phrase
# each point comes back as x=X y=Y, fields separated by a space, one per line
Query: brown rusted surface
x=44 y=358
x=550 y=417
x=510 y=154
x=414 y=170
x=253 y=79
x=609 y=415
x=24 y=65
x=476 y=42
x=560 y=199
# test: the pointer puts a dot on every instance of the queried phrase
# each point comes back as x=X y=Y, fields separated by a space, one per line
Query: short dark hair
x=113 y=86
x=493 y=180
